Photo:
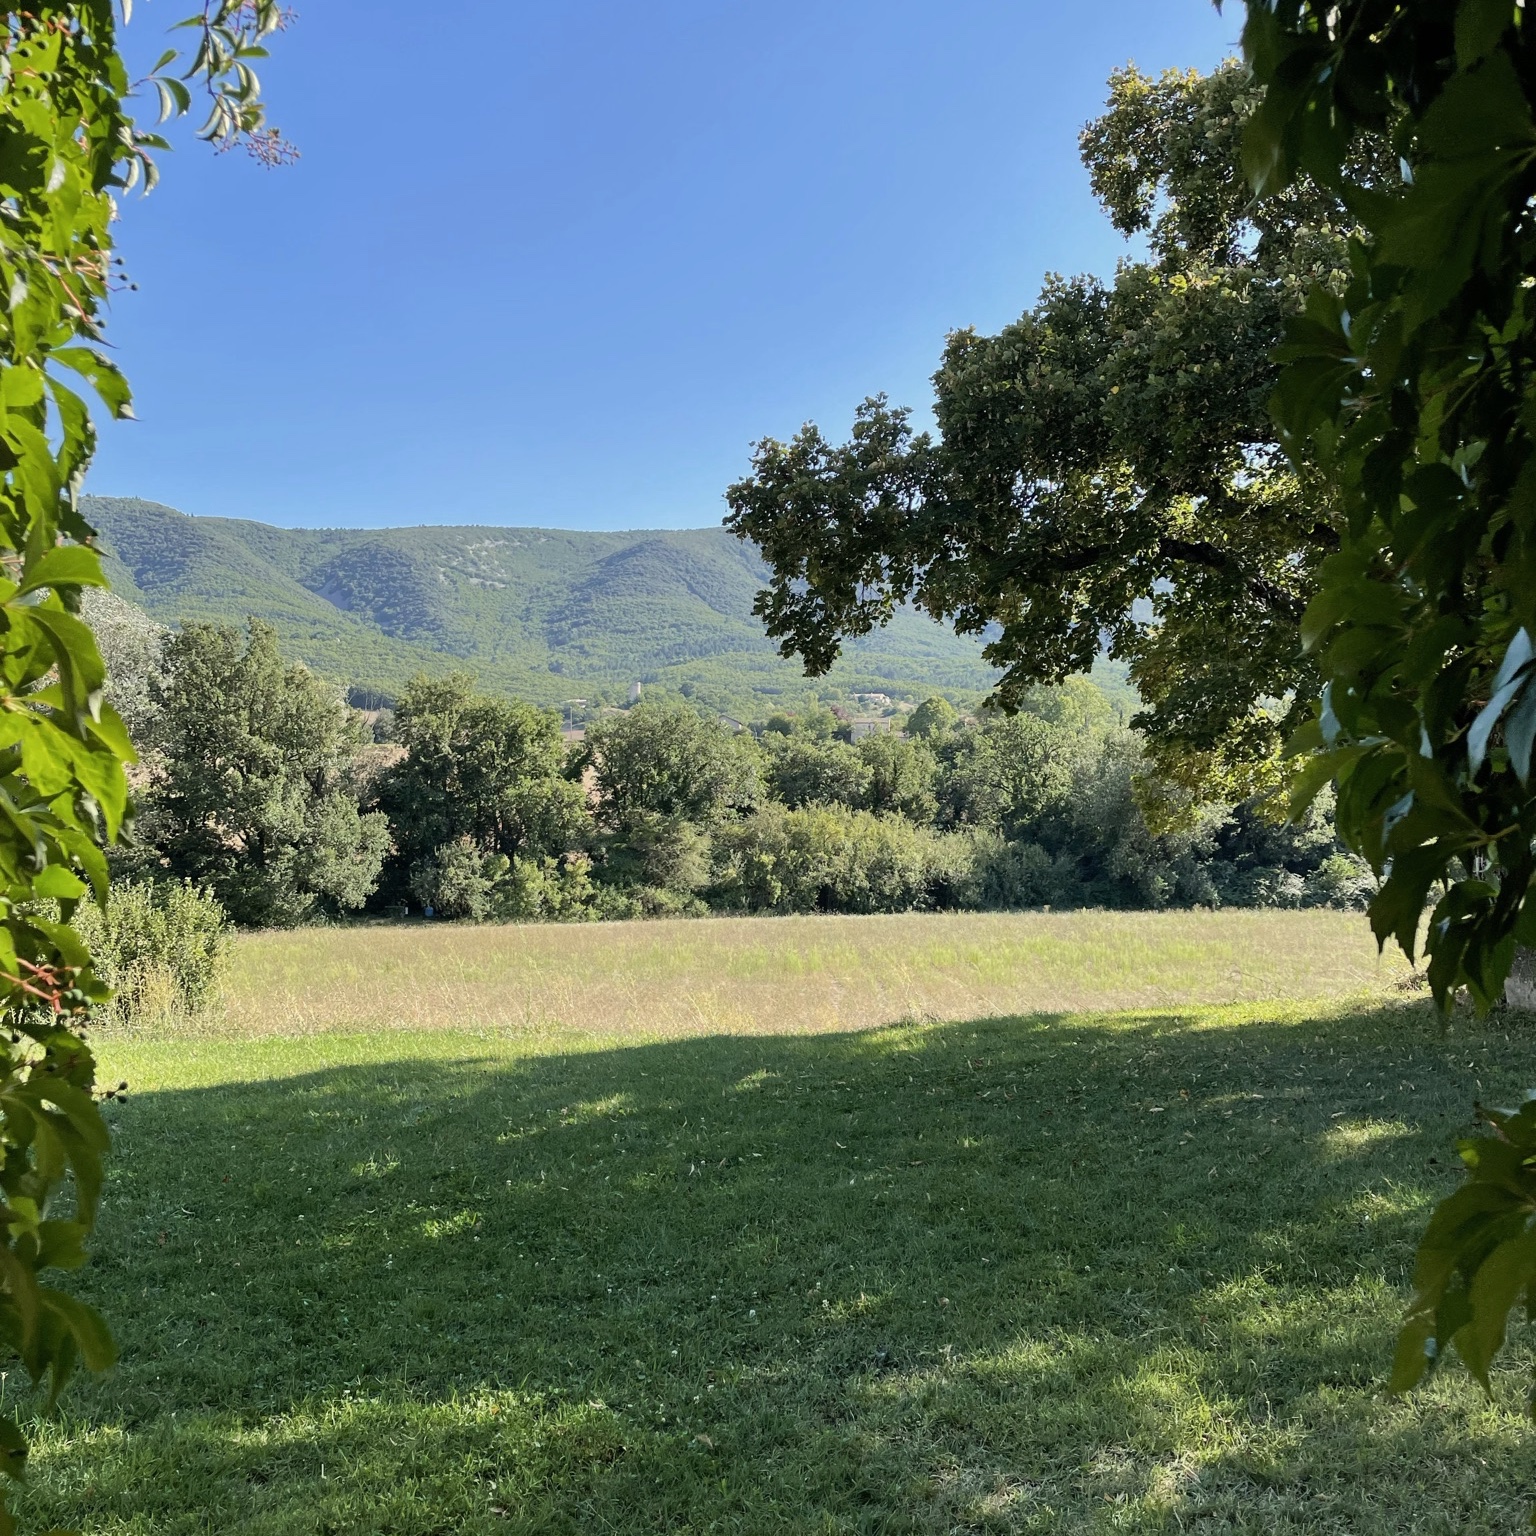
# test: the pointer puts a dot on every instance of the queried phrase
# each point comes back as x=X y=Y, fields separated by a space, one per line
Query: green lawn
x=1086 y=1273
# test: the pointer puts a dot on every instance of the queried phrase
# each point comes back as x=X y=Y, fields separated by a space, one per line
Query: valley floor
x=1095 y=1260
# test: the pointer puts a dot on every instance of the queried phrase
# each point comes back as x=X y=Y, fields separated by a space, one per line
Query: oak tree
x=1105 y=469
x=481 y=779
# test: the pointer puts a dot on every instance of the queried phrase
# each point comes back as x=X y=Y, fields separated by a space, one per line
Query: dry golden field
x=788 y=975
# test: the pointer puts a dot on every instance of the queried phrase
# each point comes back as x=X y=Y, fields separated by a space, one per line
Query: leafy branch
x=1410 y=392
x=68 y=146
x=230 y=36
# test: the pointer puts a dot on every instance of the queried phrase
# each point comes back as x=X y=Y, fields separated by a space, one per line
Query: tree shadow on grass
x=1039 y=1274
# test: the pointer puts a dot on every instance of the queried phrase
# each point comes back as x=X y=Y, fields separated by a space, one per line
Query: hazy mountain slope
x=543 y=613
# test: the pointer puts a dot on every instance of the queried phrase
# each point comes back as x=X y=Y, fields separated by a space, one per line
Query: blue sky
x=560 y=264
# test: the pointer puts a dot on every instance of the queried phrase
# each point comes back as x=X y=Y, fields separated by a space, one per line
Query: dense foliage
x=68 y=146
x=1104 y=468
x=688 y=814
x=489 y=815
x=1409 y=393
x=260 y=784
x=250 y=791
x=476 y=804
x=161 y=945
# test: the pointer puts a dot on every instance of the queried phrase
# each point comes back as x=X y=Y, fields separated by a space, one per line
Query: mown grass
x=788 y=975
x=1065 y=1273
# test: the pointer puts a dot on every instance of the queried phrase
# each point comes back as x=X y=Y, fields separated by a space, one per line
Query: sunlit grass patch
x=1355 y=1137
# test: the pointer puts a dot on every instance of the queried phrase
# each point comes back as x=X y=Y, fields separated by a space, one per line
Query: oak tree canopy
x=1104 y=471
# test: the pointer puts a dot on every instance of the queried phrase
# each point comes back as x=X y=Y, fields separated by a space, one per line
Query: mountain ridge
x=540 y=613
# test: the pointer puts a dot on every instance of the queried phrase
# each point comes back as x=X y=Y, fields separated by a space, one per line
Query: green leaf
x=21 y=389
x=92 y=1336
x=1307 y=738
x=79 y=1108
x=81 y=673
x=1520 y=731
x=1434 y=789
x=1507 y=683
x=1480 y=113
x=1480 y=25
x=13 y=1453
x=62 y=1244
x=1525 y=925
x=103 y=374
x=67 y=565
x=22 y=1289
x=175 y=98
x=36 y=471
x=1318 y=773
x=59 y=883
x=109 y=730
x=1397 y=908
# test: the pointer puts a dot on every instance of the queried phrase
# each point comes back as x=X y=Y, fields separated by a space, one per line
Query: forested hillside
x=543 y=614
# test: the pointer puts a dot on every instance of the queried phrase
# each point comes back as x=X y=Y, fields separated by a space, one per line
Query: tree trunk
x=1520 y=989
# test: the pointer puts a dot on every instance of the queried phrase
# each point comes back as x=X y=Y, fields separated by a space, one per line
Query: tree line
x=260 y=784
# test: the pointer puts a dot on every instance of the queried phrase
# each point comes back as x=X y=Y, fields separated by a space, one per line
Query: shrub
x=453 y=882
x=161 y=945
x=542 y=890
x=1261 y=885
x=665 y=853
x=1341 y=880
x=461 y=883
x=830 y=859
x=887 y=865
x=1005 y=876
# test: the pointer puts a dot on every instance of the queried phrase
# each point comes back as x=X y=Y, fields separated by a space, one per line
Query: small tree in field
x=68 y=148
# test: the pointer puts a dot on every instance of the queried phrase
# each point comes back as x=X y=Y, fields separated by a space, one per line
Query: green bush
x=453 y=882
x=1341 y=880
x=460 y=883
x=534 y=890
x=806 y=771
x=829 y=859
x=161 y=945
x=1003 y=877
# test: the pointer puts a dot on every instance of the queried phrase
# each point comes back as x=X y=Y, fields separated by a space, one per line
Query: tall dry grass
x=766 y=975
